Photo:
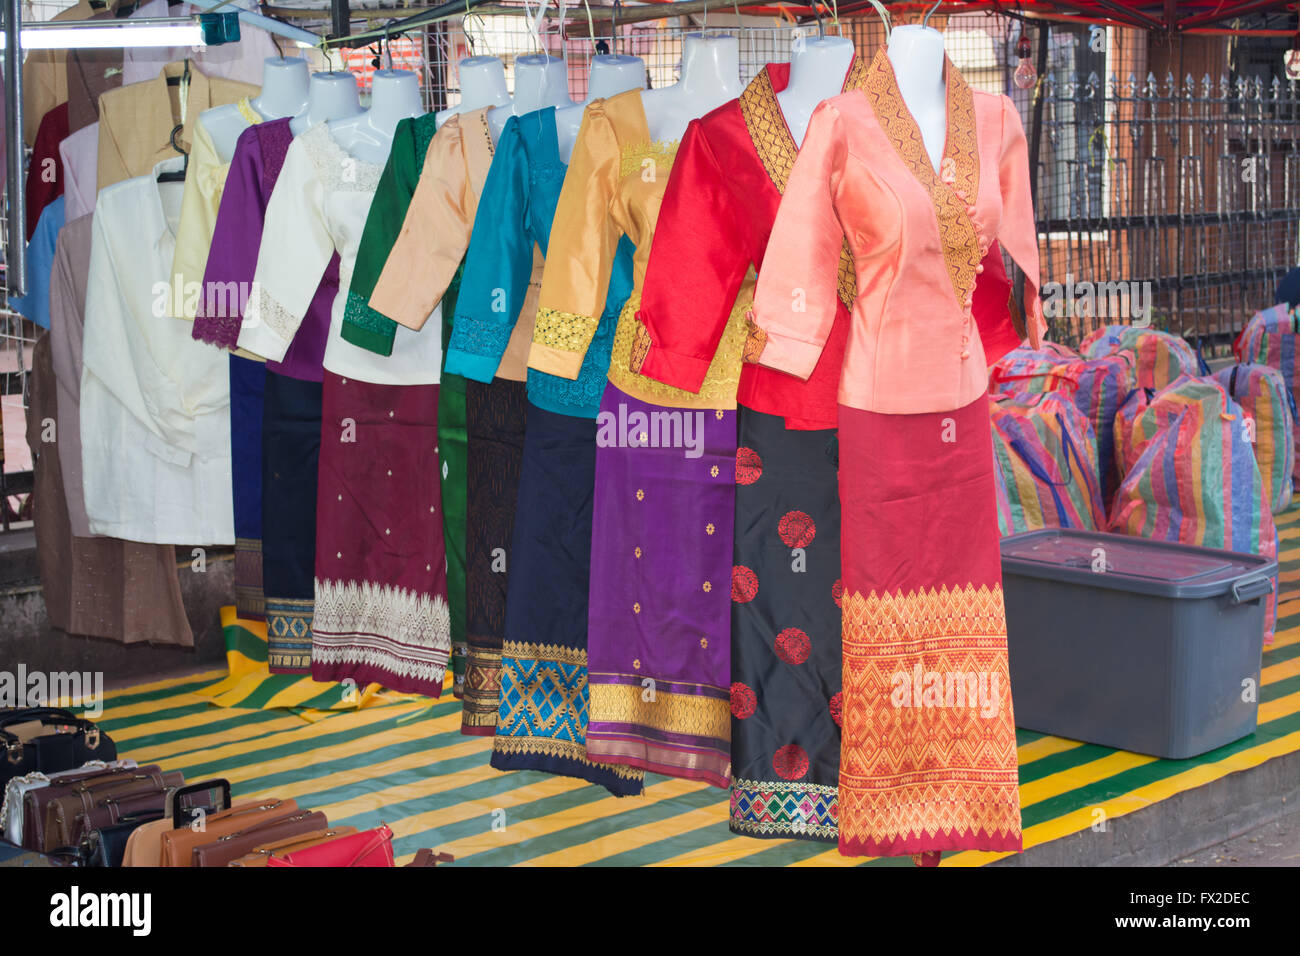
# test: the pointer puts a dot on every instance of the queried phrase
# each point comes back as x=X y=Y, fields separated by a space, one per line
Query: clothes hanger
x=178 y=176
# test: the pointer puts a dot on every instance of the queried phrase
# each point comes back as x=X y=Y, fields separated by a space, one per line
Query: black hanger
x=177 y=176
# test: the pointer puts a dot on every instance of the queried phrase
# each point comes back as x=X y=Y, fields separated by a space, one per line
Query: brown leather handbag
x=233 y=845
x=97 y=802
x=178 y=845
x=36 y=799
x=265 y=851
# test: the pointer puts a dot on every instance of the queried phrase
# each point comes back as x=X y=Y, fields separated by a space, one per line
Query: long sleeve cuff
x=366 y=328
x=553 y=361
x=480 y=368
x=261 y=341
x=789 y=355
x=476 y=347
x=673 y=368
x=402 y=308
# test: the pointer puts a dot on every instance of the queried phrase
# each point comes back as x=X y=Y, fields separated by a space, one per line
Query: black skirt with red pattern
x=785 y=632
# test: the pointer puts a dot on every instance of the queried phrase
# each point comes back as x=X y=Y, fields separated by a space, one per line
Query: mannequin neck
x=818 y=67
x=285 y=81
x=710 y=77
x=394 y=95
x=614 y=73
x=919 y=62
x=482 y=83
x=330 y=96
x=540 y=81
x=710 y=68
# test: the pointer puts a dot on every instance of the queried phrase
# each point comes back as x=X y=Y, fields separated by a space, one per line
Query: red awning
x=1163 y=16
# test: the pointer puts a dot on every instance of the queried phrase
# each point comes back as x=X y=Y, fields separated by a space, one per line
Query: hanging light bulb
x=1025 y=75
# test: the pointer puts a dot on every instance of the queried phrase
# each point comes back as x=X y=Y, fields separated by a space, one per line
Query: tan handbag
x=259 y=856
x=144 y=845
x=178 y=845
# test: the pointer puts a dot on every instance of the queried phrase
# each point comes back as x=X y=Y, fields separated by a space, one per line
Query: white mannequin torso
x=818 y=66
x=540 y=81
x=329 y=96
x=482 y=83
x=710 y=77
x=394 y=96
x=284 y=93
x=610 y=74
x=917 y=55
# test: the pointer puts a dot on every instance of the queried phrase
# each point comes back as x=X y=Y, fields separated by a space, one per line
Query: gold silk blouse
x=614 y=187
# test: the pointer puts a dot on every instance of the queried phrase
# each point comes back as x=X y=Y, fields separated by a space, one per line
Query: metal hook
x=926 y=21
x=386 y=53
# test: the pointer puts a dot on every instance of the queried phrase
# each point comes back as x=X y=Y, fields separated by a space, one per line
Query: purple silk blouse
x=232 y=260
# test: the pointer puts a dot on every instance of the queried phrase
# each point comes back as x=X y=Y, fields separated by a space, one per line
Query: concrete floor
x=1276 y=843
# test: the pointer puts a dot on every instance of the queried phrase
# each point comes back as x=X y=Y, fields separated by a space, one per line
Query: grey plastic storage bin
x=1148 y=655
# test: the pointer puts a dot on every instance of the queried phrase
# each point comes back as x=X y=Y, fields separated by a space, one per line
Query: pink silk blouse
x=917 y=240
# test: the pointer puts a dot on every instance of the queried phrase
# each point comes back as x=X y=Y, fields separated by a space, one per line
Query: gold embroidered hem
x=482 y=691
x=288 y=634
x=722 y=379
x=929 y=746
x=706 y=714
x=542 y=721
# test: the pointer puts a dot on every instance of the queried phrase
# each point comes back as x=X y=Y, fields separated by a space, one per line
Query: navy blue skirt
x=247 y=382
x=290 y=455
x=542 y=718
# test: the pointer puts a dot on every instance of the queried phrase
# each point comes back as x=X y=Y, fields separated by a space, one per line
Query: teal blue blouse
x=514 y=212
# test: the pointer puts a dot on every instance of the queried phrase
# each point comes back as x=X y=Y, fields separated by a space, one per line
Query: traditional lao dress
x=659 y=620
x=542 y=716
x=366 y=328
x=928 y=755
x=277 y=403
x=380 y=572
x=717 y=214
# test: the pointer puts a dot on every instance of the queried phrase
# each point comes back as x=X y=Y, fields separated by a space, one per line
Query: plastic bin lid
x=1140 y=565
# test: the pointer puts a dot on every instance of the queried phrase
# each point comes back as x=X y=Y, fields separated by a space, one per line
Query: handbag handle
x=1036 y=469
x=175 y=808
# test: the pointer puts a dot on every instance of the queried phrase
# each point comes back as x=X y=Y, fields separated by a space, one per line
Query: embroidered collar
x=767 y=125
x=954 y=189
x=250 y=115
x=776 y=148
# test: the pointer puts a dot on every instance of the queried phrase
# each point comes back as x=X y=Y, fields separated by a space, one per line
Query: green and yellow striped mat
x=400 y=761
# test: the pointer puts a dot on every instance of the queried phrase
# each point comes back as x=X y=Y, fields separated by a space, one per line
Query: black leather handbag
x=105 y=847
x=48 y=739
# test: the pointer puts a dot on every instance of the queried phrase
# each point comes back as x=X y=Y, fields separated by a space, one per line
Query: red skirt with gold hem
x=928 y=754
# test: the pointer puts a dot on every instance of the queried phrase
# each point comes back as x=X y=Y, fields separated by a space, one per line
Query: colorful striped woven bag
x=1269 y=424
x=1271 y=338
x=1158 y=356
x=1046 y=457
x=1097 y=386
x=1192 y=476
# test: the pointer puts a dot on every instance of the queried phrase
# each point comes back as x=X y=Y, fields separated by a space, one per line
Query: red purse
x=371 y=848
